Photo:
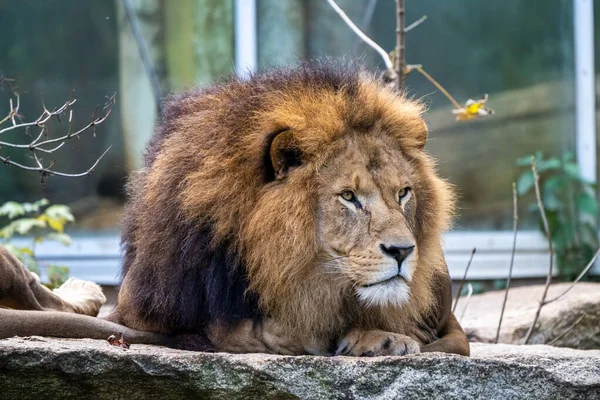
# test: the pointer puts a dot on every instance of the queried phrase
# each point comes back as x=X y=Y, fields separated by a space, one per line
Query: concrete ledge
x=55 y=368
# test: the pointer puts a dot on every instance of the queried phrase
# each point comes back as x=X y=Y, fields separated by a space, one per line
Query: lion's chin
x=386 y=294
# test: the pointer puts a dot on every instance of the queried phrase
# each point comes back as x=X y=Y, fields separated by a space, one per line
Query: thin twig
x=400 y=58
x=462 y=283
x=35 y=145
x=536 y=181
x=435 y=83
x=468 y=299
x=46 y=170
x=39 y=145
x=512 y=258
x=384 y=55
x=415 y=24
x=585 y=270
x=562 y=335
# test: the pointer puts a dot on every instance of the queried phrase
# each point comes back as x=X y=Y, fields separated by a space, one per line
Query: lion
x=292 y=212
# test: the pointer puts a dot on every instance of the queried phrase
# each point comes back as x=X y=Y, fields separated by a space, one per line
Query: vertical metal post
x=245 y=37
x=585 y=93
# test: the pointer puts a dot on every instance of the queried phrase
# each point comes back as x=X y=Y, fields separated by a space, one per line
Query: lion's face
x=366 y=219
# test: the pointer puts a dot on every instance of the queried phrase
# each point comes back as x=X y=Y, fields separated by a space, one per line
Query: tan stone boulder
x=481 y=317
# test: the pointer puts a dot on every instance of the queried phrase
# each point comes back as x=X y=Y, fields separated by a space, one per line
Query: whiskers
x=332 y=266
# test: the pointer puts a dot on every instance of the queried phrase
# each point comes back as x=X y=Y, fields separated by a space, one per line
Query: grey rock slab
x=483 y=312
x=88 y=369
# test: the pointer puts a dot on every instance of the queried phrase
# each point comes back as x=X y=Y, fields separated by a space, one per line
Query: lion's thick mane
x=211 y=234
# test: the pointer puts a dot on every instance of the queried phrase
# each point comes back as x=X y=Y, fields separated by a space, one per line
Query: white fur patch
x=393 y=293
x=84 y=296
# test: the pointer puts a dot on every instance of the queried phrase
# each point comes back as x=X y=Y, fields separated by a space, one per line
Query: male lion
x=293 y=213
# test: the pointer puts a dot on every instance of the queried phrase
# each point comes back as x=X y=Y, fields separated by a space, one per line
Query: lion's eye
x=348 y=195
x=403 y=193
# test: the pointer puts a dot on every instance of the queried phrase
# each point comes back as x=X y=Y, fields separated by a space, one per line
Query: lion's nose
x=399 y=253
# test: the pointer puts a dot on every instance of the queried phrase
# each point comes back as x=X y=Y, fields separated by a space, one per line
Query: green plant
x=571 y=209
x=39 y=221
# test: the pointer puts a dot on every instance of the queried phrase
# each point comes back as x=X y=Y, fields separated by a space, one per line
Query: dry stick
x=437 y=85
x=536 y=182
x=400 y=45
x=415 y=24
x=36 y=145
x=512 y=258
x=562 y=335
x=384 y=55
x=462 y=283
x=48 y=171
x=585 y=270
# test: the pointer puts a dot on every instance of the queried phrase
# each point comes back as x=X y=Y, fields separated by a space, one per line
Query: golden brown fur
x=214 y=169
x=237 y=230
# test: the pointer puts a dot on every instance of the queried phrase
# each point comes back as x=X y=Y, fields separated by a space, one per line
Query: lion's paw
x=84 y=296
x=373 y=343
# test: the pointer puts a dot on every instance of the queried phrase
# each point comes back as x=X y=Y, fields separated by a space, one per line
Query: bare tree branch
x=569 y=329
x=384 y=55
x=585 y=270
x=415 y=24
x=462 y=283
x=512 y=258
x=419 y=69
x=536 y=181
x=40 y=145
x=400 y=59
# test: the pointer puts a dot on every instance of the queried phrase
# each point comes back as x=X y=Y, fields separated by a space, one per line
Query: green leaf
x=552 y=201
x=25 y=255
x=539 y=156
x=572 y=170
x=546 y=165
x=35 y=207
x=587 y=204
x=556 y=183
x=24 y=225
x=12 y=210
x=524 y=161
x=525 y=183
x=63 y=238
x=59 y=212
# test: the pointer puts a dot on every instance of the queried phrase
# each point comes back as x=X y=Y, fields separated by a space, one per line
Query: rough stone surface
x=483 y=312
x=88 y=369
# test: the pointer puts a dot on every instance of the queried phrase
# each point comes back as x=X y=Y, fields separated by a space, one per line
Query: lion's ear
x=285 y=154
x=420 y=135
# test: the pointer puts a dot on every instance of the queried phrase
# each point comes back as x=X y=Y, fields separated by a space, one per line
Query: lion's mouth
x=385 y=281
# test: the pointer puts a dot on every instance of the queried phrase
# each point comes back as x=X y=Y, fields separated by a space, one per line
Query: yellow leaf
x=473 y=109
x=56 y=224
x=26 y=250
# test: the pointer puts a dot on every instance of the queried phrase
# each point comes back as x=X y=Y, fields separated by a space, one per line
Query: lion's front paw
x=84 y=296
x=376 y=343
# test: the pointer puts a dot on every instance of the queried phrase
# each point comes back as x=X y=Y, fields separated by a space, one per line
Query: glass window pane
x=520 y=53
